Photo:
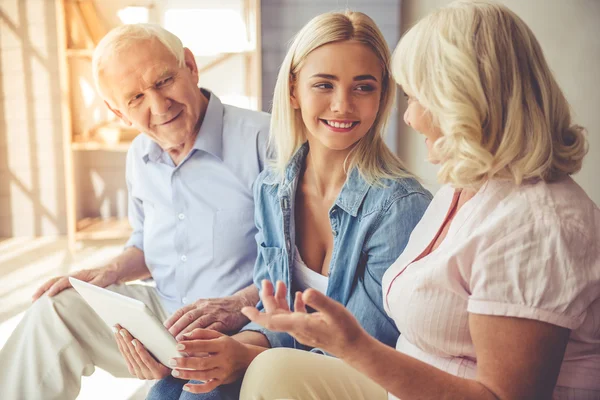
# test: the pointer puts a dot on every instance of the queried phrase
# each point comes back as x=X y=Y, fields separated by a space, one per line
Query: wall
x=569 y=33
x=281 y=19
x=32 y=194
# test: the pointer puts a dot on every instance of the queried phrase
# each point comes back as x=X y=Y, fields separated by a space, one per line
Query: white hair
x=125 y=36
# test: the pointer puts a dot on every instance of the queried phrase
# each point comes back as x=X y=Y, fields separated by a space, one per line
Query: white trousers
x=61 y=339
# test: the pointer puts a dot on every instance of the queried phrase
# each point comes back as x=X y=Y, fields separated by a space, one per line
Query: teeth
x=343 y=125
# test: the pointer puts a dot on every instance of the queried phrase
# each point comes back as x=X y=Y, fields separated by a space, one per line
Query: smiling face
x=418 y=118
x=338 y=91
x=148 y=90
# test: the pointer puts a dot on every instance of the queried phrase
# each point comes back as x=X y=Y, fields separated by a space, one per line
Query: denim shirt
x=370 y=226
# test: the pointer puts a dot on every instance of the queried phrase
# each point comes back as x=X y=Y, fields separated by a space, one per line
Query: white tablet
x=131 y=314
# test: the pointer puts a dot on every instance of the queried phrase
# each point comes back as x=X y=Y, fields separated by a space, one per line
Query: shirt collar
x=350 y=198
x=210 y=135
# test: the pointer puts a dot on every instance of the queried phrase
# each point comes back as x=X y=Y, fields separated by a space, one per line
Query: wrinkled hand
x=102 y=277
x=332 y=327
x=140 y=362
x=212 y=357
x=222 y=315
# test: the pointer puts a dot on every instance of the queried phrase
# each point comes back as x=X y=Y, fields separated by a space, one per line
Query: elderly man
x=189 y=177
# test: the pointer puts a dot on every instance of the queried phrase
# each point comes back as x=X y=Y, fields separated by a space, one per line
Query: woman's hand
x=140 y=362
x=331 y=328
x=213 y=357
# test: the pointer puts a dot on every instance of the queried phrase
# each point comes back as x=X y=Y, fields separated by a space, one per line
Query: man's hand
x=222 y=315
x=140 y=362
x=103 y=277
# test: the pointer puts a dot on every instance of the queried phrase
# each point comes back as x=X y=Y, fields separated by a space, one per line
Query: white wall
x=569 y=33
x=32 y=187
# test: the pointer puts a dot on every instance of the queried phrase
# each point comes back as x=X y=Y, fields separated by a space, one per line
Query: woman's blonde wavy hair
x=481 y=73
x=373 y=159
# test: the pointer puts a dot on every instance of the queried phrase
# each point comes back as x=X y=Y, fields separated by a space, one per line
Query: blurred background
x=63 y=199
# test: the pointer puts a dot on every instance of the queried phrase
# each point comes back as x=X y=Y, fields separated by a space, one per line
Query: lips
x=340 y=125
x=172 y=119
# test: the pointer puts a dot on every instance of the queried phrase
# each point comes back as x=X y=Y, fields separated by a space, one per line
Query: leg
x=59 y=340
x=301 y=375
x=171 y=388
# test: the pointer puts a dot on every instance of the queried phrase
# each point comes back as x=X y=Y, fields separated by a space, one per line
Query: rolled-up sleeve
x=135 y=209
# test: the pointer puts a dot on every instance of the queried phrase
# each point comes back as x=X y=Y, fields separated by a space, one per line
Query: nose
x=159 y=104
x=342 y=102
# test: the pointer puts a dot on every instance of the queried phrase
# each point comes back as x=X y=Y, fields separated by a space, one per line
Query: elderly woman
x=497 y=293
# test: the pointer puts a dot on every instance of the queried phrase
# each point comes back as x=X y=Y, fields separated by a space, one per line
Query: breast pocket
x=234 y=232
x=272 y=257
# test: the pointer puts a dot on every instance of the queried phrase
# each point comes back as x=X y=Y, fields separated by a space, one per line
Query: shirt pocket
x=272 y=256
x=234 y=232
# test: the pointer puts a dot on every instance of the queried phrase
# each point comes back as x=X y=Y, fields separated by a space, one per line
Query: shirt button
x=334 y=233
x=333 y=211
x=181 y=216
x=184 y=300
x=184 y=258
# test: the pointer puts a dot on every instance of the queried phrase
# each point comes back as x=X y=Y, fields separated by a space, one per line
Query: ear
x=293 y=98
x=190 y=63
x=118 y=114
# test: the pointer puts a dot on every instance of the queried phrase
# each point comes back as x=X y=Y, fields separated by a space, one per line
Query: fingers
x=324 y=304
x=197 y=364
x=175 y=317
x=266 y=295
x=58 y=286
x=202 y=388
x=157 y=370
x=205 y=376
x=202 y=334
x=123 y=351
x=200 y=323
x=44 y=288
x=280 y=296
x=299 y=305
x=133 y=367
x=251 y=313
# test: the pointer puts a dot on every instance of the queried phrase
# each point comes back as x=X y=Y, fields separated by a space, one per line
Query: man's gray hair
x=125 y=36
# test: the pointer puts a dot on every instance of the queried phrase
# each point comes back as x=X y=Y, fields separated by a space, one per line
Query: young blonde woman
x=333 y=211
x=497 y=293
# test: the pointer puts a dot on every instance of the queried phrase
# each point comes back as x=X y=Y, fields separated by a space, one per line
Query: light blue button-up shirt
x=195 y=221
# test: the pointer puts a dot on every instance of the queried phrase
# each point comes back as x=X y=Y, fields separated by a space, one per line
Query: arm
x=517 y=358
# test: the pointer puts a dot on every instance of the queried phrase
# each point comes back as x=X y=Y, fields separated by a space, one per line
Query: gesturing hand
x=222 y=315
x=332 y=327
x=140 y=362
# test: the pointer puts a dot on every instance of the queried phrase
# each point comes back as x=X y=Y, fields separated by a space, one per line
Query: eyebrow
x=167 y=72
x=356 y=78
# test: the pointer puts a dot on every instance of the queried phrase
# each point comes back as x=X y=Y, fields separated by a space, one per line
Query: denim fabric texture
x=370 y=225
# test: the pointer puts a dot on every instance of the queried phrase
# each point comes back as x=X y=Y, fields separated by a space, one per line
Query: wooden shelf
x=99 y=228
x=98 y=146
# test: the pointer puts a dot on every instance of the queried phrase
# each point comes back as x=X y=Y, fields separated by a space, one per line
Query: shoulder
x=541 y=205
x=245 y=121
x=397 y=193
x=138 y=148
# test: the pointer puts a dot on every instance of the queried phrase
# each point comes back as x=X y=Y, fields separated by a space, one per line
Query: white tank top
x=305 y=277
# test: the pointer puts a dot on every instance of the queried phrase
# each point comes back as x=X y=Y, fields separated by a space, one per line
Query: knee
x=268 y=372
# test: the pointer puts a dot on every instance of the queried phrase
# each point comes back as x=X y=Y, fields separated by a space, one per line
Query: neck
x=324 y=171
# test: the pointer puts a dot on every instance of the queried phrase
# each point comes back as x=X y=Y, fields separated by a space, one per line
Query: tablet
x=133 y=315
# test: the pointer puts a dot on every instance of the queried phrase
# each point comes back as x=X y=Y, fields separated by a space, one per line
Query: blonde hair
x=372 y=157
x=124 y=36
x=479 y=71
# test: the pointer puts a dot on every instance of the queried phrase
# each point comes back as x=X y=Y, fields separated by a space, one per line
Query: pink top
x=529 y=251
